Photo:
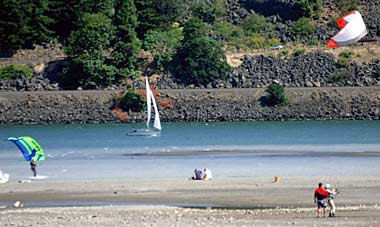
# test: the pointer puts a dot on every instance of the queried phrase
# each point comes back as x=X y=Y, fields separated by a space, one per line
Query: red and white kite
x=353 y=29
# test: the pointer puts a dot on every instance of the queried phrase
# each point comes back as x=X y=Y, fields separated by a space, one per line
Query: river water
x=241 y=149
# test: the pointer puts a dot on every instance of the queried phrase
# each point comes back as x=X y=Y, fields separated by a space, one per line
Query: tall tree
x=147 y=17
x=126 y=44
x=88 y=47
x=200 y=59
x=23 y=23
x=65 y=14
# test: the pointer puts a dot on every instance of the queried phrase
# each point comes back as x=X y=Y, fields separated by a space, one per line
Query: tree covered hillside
x=104 y=39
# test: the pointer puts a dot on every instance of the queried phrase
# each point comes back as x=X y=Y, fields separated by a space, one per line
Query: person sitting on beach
x=320 y=194
x=207 y=175
x=197 y=174
x=330 y=199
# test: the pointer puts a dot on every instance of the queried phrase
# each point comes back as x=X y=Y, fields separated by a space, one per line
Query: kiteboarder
x=33 y=166
x=320 y=194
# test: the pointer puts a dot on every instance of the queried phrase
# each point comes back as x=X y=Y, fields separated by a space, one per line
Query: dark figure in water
x=33 y=166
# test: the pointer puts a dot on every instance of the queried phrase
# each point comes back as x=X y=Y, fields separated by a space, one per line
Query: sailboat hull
x=144 y=132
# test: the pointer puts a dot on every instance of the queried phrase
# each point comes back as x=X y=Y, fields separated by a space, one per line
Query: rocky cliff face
x=200 y=105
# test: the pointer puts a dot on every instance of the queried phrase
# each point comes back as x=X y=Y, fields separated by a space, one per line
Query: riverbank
x=219 y=202
x=192 y=105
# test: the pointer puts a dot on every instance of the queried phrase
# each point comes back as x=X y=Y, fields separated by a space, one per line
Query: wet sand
x=181 y=202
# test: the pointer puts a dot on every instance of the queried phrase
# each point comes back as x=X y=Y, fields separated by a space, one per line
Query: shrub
x=283 y=53
x=276 y=95
x=303 y=26
x=340 y=75
x=299 y=52
x=343 y=62
x=11 y=72
x=346 y=54
x=132 y=101
x=256 y=23
x=311 y=8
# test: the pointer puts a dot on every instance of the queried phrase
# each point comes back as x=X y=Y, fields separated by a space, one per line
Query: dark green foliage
x=11 y=72
x=344 y=58
x=127 y=45
x=283 y=53
x=258 y=24
x=276 y=95
x=299 y=52
x=195 y=28
x=220 y=8
x=164 y=44
x=64 y=14
x=304 y=26
x=88 y=46
x=204 y=11
x=201 y=59
x=171 y=10
x=147 y=16
x=91 y=38
x=346 y=54
x=310 y=8
x=23 y=24
x=97 y=6
x=132 y=101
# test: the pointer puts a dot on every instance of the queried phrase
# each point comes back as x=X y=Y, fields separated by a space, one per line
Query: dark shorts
x=321 y=203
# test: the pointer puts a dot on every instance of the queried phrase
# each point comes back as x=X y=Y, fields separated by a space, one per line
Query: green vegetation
x=283 y=53
x=276 y=95
x=257 y=32
x=88 y=47
x=344 y=58
x=23 y=24
x=164 y=44
x=132 y=101
x=200 y=58
x=11 y=72
x=311 y=8
x=299 y=52
x=304 y=26
x=340 y=75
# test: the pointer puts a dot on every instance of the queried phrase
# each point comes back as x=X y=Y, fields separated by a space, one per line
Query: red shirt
x=320 y=193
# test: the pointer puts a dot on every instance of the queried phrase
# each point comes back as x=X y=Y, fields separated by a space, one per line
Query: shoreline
x=242 y=202
x=192 y=105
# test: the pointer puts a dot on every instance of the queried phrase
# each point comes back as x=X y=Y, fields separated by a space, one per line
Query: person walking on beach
x=320 y=194
x=33 y=166
x=330 y=199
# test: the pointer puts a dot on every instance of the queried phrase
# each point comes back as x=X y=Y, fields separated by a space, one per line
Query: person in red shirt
x=320 y=194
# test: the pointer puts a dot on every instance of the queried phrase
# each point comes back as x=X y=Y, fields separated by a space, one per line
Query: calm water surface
x=77 y=152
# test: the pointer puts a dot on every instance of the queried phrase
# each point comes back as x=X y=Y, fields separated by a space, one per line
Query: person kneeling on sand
x=320 y=194
x=207 y=175
x=330 y=199
x=197 y=175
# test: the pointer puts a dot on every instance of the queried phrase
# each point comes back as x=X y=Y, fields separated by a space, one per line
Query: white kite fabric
x=353 y=29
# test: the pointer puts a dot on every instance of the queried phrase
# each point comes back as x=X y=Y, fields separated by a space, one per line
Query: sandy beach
x=181 y=202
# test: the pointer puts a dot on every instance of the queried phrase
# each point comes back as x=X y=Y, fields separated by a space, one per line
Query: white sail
x=148 y=102
x=157 y=122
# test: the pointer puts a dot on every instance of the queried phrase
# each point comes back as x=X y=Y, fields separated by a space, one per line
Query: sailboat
x=155 y=131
